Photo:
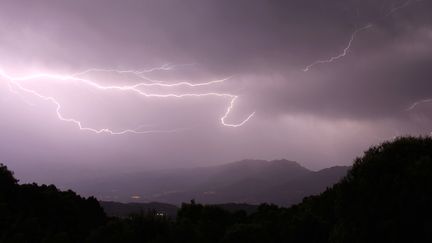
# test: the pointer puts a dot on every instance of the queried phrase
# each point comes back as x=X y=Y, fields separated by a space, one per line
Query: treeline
x=385 y=197
x=32 y=213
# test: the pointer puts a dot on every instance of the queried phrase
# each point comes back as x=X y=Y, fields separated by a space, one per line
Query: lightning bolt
x=342 y=54
x=136 y=88
x=403 y=5
x=417 y=103
x=353 y=35
x=392 y=11
x=163 y=67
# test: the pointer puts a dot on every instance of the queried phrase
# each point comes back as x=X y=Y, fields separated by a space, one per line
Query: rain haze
x=95 y=88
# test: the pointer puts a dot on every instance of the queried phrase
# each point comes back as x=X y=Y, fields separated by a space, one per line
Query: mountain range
x=281 y=182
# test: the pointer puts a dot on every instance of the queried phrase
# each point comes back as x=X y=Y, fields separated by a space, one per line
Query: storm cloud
x=322 y=117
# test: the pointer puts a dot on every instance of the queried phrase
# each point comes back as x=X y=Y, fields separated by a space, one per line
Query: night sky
x=321 y=81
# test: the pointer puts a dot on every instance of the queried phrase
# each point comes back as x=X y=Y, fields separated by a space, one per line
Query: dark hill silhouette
x=32 y=213
x=248 y=181
x=385 y=197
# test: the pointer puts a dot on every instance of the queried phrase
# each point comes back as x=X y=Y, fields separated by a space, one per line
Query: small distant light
x=135 y=197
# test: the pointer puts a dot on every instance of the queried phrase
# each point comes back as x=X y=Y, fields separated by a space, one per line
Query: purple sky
x=323 y=117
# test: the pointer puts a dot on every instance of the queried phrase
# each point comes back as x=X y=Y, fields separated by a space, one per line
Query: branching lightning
x=15 y=85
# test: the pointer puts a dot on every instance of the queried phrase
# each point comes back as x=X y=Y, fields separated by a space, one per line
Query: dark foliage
x=386 y=197
x=32 y=213
x=123 y=210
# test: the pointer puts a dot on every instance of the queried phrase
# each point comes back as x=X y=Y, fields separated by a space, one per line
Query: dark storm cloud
x=337 y=108
x=224 y=33
x=262 y=38
x=378 y=83
x=385 y=70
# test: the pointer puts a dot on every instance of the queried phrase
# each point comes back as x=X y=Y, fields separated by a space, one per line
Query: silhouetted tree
x=32 y=213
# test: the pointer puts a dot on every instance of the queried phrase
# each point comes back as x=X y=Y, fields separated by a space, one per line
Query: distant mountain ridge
x=282 y=182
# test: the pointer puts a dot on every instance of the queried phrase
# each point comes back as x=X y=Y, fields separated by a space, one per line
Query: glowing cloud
x=17 y=87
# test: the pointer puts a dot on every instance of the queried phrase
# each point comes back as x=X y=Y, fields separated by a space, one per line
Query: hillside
x=248 y=181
